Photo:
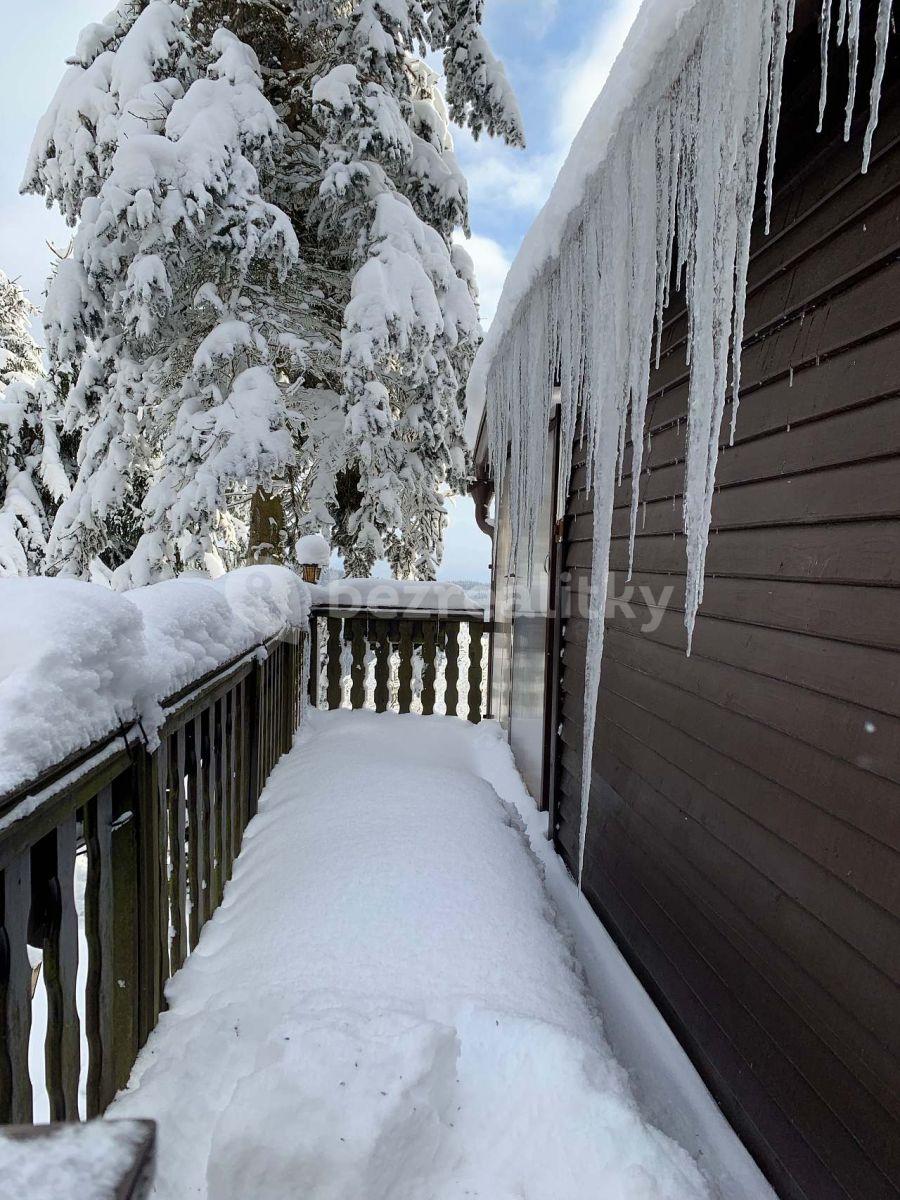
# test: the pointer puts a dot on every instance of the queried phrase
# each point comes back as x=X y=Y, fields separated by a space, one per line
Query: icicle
x=882 y=32
x=824 y=38
x=776 y=77
x=842 y=21
x=853 y=15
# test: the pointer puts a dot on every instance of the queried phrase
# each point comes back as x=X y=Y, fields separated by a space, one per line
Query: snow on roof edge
x=656 y=23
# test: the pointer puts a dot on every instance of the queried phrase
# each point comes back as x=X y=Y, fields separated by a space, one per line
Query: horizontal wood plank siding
x=744 y=841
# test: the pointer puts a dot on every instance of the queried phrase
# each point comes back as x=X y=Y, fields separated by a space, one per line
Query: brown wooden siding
x=744 y=841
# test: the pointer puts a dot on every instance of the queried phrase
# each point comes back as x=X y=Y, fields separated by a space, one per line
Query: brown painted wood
x=357 y=663
x=405 y=668
x=15 y=991
x=333 y=662
x=126 y=929
x=382 y=666
x=231 y=816
x=177 y=851
x=60 y=966
x=314 y=651
x=196 y=850
x=98 y=910
x=429 y=665
x=214 y=793
x=451 y=671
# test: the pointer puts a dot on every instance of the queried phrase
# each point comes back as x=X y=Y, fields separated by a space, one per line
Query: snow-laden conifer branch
x=32 y=475
x=662 y=176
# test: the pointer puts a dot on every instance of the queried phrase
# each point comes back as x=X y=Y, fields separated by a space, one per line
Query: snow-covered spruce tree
x=263 y=323
x=32 y=478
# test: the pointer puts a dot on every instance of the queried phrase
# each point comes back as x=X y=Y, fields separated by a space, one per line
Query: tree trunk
x=266 y=527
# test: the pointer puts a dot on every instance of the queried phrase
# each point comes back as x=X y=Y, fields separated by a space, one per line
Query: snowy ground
x=383 y=1007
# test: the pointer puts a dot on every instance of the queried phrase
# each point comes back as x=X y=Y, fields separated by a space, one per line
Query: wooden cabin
x=744 y=829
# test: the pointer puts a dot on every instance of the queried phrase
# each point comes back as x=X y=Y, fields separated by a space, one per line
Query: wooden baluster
x=253 y=701
x=270 y=678
x=476 y=630
x=177 y=864
x=162 y=869
x=15 y=992
x=451 y=670
x=270 y=717
x=215 y=802
x=263 y=725
x=405 y=671
x=287 y=697
x=335 y=645
x=208 y=778
x=244 y=733
x=224 y=792
x=313 y=682
x=62 y=1051
x=429 y=665
x=98 y=908
x=233 y=795
x=358 y=666
x=125 y=868
x=196 y=848
x=382 y=665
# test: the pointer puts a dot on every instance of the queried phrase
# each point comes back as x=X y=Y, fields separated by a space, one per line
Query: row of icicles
x=675 y=193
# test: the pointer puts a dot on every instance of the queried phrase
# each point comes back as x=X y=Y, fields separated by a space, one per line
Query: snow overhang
x=657 y=23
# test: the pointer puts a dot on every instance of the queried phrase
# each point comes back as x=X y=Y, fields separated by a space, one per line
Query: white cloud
x=505 y=177
x=491 y=266
x=583 y=77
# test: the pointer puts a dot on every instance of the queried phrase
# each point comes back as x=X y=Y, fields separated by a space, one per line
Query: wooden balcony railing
x=147 y=837
x=403 y=660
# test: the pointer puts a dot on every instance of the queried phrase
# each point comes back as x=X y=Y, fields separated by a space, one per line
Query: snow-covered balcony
x=319 y=953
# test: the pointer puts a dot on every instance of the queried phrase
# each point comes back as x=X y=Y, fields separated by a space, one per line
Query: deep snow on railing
x=113 y=859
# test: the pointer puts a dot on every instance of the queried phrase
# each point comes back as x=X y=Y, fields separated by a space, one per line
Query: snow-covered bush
x=32 y=478
x=78 y=661
x=262 y=297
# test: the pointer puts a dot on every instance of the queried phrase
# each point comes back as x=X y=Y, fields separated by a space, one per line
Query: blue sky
x=557 y=54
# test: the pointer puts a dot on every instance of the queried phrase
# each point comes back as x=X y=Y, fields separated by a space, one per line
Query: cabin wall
x=744 y=841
